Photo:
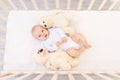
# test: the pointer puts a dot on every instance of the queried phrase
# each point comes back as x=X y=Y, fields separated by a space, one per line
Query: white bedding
x=101 y=28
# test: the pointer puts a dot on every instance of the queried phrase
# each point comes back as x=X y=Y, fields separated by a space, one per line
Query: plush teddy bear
x=61 y=19
x=39 y=56
x=58 y=60
x=47 y=22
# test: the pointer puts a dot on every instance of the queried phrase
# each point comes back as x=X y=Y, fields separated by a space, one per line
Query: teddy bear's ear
x=46 y=21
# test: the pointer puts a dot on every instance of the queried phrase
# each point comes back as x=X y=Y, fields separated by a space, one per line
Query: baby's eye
x=39 y=35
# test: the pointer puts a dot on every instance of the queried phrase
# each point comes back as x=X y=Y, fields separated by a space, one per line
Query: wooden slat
x=2 y=51
x=9 y=76
x=86 y=76
x=23 y=4
x=105 y=77
x=55 y=76
x=3 y=18
x=24 y=76
x=57 y=4
x=114 y=74
x=2 y=28
x=2 y=40
x=91 y=4
x=113 y=4
x=68 y=4
x=70 y=76
x=12 y=4
x=46 y=4
x=35 y=4
x=117 y=73
x=4 y=74
x=39 y=76
x=66 y=72
x=79 y=4
x=4 y=6
x=1 y=63
x=102 y=4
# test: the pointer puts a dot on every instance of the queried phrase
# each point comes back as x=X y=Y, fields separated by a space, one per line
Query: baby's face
x=40 y=33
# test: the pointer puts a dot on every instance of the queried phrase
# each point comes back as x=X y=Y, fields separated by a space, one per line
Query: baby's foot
x=87 y=46
x=72 y=52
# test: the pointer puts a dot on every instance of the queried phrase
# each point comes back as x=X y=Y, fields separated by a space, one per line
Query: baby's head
x=39 y=32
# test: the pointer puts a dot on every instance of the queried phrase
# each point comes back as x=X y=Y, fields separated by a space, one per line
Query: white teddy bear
x=58 y=60
x=61 y=19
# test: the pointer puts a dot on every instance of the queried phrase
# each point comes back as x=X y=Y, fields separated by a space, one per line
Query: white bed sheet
x=101 y=28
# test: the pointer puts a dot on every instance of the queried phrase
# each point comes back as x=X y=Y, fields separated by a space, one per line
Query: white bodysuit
x=55 y=35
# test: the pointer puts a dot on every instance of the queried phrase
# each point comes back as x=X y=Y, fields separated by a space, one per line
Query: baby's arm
x=63 y=36
x=64 y=39
x=58 y=43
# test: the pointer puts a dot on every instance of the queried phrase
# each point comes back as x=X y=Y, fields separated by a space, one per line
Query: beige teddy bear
x=58 y=60
x=61 y=19
x=39 y=56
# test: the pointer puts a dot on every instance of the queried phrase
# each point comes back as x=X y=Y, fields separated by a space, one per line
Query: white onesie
x=55 y=35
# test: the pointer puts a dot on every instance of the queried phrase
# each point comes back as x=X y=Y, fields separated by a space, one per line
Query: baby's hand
x=64 y=39
x=58 y=43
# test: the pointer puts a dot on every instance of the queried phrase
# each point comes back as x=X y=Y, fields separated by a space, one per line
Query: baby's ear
x=67 y=34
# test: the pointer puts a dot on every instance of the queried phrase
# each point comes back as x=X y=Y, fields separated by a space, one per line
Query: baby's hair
x=33 y=28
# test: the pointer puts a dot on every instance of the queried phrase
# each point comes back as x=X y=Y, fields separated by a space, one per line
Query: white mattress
x=101 y=28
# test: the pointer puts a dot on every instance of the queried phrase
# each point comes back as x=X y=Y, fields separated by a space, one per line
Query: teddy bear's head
x=60 y=20
x=39 y=56
x=47 y=22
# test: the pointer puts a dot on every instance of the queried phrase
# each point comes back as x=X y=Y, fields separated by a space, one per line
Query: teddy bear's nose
x=41 y=50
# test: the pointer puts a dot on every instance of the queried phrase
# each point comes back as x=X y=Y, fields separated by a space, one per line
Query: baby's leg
x=80 y=38
x=75 y=52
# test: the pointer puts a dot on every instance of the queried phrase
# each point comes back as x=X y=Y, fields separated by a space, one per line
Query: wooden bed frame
x=105 y=75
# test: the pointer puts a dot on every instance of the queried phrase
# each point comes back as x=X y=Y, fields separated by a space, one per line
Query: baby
x=54 y=38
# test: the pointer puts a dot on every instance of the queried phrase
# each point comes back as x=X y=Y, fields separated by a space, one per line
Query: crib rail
x=56 y=75
x=56 y=3
x=8 y=5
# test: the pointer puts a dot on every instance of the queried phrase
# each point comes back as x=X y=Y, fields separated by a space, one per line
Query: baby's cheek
x=45 y=37
x=35 y=36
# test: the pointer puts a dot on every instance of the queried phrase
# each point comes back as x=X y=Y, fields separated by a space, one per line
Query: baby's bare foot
x=72 y=52
x=87 y=46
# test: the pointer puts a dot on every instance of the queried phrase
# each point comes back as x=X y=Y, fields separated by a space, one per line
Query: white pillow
x=100 y=28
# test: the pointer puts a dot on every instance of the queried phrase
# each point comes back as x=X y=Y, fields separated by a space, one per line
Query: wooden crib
x=8 y=5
